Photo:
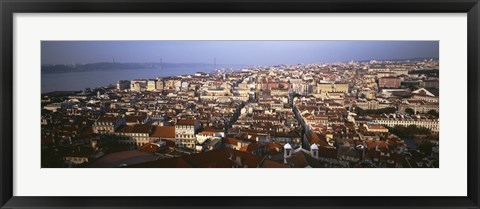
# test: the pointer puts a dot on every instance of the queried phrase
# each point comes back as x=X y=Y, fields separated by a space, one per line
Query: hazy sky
x=233 y=52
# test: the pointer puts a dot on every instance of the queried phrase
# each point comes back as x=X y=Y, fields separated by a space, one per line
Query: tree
x=361 y=112
x=409 y=111
x=409 y=131
x=425 y=147
x=411 y=86
x=433 y=113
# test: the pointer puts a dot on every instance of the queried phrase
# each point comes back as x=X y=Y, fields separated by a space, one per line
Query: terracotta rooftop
x=273 y=164
x=302 y=159
x=186 y=122
x=150 y=148
x=219 y=158
x=125 y=129
x=134 y=119
x=108 y=119
x=164 y=163
x=327 y=152
x=142 y=128
x=230 y=140
x=164 y=132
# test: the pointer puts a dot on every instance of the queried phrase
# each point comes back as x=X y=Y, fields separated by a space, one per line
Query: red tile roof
x=108 y=119
x=135 y=119
x=150 y=148
x=186 y=122
x=142 y=128
x=273 y=164
x=164 y=132
x=230 y=140
x=326 y=152
x=177 y=162
x=318 y=139
x=125 y=129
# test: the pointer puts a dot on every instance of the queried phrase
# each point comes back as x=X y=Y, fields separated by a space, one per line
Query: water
x=75 y=81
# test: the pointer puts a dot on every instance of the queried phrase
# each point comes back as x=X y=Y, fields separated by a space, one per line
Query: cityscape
x=351 y=113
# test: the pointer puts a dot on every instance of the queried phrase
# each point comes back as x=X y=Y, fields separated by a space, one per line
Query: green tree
x=362 y=112
x=409 y=131
x=433 y=113
x=409 y=111
x=425 y=147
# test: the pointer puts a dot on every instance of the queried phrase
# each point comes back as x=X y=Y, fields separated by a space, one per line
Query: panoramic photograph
x=240 y=104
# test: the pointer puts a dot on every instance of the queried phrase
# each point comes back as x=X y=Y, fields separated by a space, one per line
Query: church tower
x=287 y=152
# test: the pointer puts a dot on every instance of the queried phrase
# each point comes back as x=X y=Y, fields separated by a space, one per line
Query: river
x=74 y=81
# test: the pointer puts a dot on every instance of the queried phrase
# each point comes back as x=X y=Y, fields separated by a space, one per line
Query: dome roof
x=287 y=146
x=314 y=146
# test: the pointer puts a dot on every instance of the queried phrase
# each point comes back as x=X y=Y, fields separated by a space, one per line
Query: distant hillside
x=114 y=66
x=417 y=59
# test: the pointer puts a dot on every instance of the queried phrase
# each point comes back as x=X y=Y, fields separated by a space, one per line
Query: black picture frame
x=9 y=7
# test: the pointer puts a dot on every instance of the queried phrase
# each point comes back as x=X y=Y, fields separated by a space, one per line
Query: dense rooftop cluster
x=355 y=114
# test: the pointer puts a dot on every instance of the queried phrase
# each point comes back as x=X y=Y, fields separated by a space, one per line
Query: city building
x=108 y=124
x=185 y=130
x=389 y=82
